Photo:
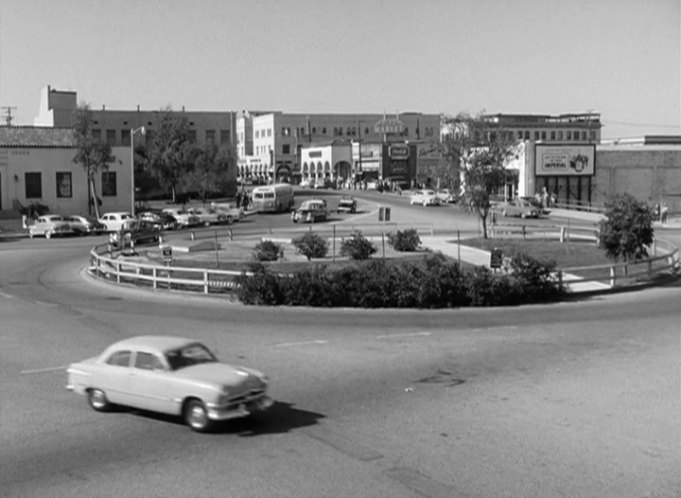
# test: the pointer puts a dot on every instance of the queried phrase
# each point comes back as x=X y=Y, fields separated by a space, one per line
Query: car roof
x=152 y=343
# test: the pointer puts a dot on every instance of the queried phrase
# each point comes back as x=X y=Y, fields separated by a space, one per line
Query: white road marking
x=303 y=343
x=396 y=336
x=43 y=370
x=4 y=294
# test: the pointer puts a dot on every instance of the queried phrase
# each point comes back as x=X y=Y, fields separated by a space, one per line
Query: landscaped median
x=419 y=278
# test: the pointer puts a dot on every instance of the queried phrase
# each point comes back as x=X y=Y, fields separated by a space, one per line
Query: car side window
x=147 y=361
x=119 y=359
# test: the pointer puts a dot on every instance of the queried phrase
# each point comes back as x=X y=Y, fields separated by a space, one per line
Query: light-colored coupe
x=170 y=375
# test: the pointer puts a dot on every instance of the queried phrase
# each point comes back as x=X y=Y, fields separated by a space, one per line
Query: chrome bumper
x=227 y=412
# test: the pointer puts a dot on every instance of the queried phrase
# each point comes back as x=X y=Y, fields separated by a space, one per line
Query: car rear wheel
x=98 y=400
x=196 y=416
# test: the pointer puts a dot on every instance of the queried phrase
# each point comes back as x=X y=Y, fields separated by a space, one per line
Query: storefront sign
x=565 y=160
x=398 y=151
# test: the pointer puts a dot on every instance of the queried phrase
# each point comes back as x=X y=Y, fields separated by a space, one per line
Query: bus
x=273 y=198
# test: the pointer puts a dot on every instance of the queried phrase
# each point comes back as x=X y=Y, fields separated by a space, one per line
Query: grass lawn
x=566 y=255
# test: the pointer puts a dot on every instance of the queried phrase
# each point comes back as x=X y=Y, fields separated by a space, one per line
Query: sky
x=621 y=58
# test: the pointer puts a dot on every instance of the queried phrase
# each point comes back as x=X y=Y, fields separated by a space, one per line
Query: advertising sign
x=398 y=151
x=389 y=125
x=565 y=160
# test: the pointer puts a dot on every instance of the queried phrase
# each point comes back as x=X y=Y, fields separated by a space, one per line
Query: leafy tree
x=357 y=246
x=171 y=153
x=627 y=229
x=479 y=152
x=211 y=170
x=92 y=154
x=311 y=245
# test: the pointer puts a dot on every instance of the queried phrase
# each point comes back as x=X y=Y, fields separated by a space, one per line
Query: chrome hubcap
x=197 y=416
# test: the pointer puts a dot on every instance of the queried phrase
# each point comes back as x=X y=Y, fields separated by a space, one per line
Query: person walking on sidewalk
x=663 y=213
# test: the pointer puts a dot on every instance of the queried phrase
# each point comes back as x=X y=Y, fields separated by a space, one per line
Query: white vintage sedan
x=170 y=375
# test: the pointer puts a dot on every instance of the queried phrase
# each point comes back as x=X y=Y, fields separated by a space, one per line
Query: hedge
x=435 y=282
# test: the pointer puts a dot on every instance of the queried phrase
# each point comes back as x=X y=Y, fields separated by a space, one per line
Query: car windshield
x=188 y=356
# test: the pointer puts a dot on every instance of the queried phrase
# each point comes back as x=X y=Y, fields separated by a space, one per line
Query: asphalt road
x=574 y=399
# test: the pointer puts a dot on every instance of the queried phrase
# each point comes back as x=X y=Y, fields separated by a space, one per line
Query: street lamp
x=143 y=131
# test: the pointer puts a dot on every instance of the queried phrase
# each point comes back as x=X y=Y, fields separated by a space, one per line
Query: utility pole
x=7 y=112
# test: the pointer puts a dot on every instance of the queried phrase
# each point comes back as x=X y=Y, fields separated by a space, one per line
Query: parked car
x=163 y=220
x=86 y=225
x=306 y=183
x=135 y=231
x=208 y=216
x=537 y=204
x=171 y=375
x=324 y=184
x=233 y=213
x=424 y=198
x=310 y=211
x=114 y=221
x=184 y=218
x=519 y=207
x=347 y=205
x=446 y=196
x=49 y=225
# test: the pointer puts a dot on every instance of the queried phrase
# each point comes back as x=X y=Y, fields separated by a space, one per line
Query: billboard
x=565 y=160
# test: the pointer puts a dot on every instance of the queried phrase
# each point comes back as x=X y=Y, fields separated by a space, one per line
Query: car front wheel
x=196 y=416
x=98 y=400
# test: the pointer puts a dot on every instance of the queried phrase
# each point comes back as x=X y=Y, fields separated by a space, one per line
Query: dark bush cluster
x=357 y=247
x=267 y=251
x=433 y=283
x=311 y=245
x=405 y=240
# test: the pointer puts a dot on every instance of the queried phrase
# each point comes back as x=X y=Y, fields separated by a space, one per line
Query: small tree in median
x=357 y=246
x=311 y=246
x=627 y=229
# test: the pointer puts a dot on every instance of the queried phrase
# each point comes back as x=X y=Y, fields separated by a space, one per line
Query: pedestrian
x=663 y=213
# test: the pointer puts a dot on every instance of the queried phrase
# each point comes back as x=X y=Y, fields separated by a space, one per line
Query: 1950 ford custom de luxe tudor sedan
x=169 y=375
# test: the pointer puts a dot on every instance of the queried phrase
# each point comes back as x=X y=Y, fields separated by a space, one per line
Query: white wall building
x=36 y=166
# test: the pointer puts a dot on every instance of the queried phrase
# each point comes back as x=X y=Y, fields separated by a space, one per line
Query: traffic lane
x=513 y=391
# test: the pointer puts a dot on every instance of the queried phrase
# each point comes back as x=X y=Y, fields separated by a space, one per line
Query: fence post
x=562 y=235
x=612 y=276
x=153 y=276
x=523 y=232
x=560 y=279
x=205 y=282
x=192 y=235
x=231 y=235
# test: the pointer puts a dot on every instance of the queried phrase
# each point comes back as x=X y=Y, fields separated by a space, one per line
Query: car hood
x=223 y=375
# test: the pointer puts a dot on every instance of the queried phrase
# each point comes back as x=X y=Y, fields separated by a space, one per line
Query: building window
x=111 y=137
x=568 y=135
x=96 y=134
x=224 y=136
x=527 y=134
x=125 y=137
x=64 y=184
x=269 y=132
x=536 y=135
x=324 y=130
x=34 y=185
x=553 y=135
x=108 y=183
x=592 y=135
x=210 y=136
x=286 y=149
x=192 y=136
x=543 y=135
x=520 y=135
x=314 y=130
x=257 y=133
x=560 y=135
x=584 y=135
x=366 y=131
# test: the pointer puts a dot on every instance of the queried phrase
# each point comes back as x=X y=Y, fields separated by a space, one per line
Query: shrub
x=357 y=246
x=262 y=287
x=34 y=209
x=405 y=240
x=533 y=280
x=267 y=251
x=311 y=245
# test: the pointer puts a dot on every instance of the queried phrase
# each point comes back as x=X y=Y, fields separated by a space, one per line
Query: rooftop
x=36 y=137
